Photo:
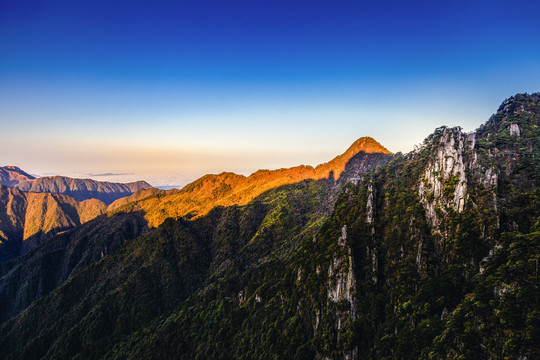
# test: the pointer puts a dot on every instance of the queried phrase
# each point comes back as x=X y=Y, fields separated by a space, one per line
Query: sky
x=169 y=91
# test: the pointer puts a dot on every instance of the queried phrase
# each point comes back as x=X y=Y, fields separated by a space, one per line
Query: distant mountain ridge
x=79 y=189
x=35 y=209
x=13 y=175
x=30 y=218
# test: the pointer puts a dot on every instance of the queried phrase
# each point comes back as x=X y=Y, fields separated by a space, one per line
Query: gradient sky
x=169 y=91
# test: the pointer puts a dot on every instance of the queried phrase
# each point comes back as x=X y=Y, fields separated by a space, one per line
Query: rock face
x=342 y=288
x=514 y=129
x=426 y=230
x=443 y=184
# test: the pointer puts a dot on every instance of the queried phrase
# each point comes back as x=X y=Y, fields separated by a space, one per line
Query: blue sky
x=169 y=91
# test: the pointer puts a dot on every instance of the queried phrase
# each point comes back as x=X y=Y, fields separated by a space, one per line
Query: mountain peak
x=519 y=103
x=368 y=145
x=18 y=170
x=11 y=175
x=337 y=165
x=517 y=115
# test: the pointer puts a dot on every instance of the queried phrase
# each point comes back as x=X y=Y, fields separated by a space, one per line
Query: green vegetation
x=303 y=273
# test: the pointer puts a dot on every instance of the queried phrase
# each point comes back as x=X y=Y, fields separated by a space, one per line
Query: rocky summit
x=431 y=254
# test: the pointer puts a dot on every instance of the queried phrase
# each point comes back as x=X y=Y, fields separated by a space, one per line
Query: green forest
x=433 y=254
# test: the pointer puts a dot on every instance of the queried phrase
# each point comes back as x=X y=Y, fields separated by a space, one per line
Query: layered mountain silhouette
x=40 y=216
x=30 y=218
x=79 y=189
x=38 y=208
x=427 y=255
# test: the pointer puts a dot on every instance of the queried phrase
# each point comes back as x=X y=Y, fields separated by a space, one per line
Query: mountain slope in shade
x=44 y=268
x=170 y=262
x=227 y=189
x=79 y=189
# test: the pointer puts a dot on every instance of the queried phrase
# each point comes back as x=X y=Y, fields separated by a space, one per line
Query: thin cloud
x=111 y=174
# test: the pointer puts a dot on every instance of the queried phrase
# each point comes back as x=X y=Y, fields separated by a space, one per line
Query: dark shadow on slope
x=107 y=198
x=46 y=267
x=51 y=258
x=155 y=273
x=152 y=275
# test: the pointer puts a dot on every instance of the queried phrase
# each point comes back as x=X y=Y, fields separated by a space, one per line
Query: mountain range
x=431 y=254
x=36 y=212
x=78 y=189
x=38 y=208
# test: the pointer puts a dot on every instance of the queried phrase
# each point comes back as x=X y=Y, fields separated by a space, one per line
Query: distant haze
x=167 y=93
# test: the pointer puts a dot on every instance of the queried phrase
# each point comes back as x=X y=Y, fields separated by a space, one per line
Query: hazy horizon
x=167 y=92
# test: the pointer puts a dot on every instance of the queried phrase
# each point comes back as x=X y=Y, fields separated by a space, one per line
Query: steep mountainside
x=28 y=219
x=432 y=256
x=44 y=268
x=227 y=189
x=157 y=272
x=79 y=189
x=139 y=195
